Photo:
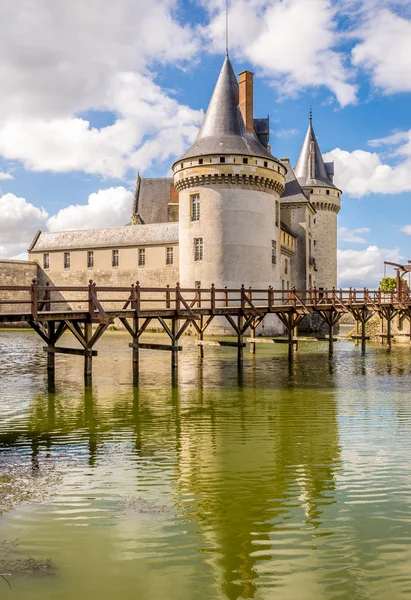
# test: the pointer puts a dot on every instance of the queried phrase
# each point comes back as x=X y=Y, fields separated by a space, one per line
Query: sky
x=95 y=91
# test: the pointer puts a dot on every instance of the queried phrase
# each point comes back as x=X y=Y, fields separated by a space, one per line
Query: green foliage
x=388 y=284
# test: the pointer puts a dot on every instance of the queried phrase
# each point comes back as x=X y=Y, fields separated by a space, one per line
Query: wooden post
x=291 y=337
x=51 y=357
x=88 y=357
x=252 y=334
x=201 y=338
x=331 y=335
x=389 y=329
x=34 y=299
x=240 y=353
x=363 y=333
x=174 y=344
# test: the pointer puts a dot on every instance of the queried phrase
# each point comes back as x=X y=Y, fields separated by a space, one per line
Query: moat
x=282 y=480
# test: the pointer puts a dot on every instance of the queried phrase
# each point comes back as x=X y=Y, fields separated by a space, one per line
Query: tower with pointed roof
x=229 y=186
x=316 y=180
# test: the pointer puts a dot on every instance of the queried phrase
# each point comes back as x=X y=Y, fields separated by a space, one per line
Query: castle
x=231 y=214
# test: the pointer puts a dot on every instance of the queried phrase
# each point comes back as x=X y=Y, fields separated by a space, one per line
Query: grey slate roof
x=151 y=198
x=223 y=130
x=293 y=191
x=308 y=172
x=114 y=237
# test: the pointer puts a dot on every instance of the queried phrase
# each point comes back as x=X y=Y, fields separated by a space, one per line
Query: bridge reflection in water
x=279 y=478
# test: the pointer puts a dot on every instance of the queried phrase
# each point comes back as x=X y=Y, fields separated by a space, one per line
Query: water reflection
x=288 y=478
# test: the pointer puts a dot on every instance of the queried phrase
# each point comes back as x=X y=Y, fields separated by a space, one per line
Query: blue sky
x=93 y=96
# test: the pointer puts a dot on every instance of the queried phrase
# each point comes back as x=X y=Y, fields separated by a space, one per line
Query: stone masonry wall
x=16 y=272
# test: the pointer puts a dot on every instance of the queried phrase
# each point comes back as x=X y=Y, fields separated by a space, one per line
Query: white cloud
x=5 y=176
x=63 y=58
x=359 y=268
x=285 y=133
x=293 y=42
x=385 y=50
x=360 y=172
x=19 y=220
x=406 y=229
x=353 y=235
x=105 y=208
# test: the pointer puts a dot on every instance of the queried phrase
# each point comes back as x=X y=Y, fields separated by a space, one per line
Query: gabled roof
x=151 y=198
x=113 y=237
x=311 y=169
x=223 y=130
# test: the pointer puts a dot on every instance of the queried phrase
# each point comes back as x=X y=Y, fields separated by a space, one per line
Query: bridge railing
x=99 y=301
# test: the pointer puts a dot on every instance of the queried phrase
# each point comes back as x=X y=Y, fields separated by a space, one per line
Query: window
x=315 y=242
x=90 y=259
x=46 y=261
x=222 y=159
x=198 y=249
x=311 y=191
x=327 y=192
x=169 y=256
x=200 y=161
x=274 y=252
x=114 y=258
x=182 y=165
x=282 y=284
x=67 y=260
x=245 y=161
x=141 y=257
x=195 y=207
x=265 y=163
x=197 y=284
x=286 y=266
x=288 y=285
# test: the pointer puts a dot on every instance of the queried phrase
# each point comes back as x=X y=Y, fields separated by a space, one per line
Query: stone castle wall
x=16 y=272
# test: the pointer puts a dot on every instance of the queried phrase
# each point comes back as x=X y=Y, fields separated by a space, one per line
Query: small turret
x=316 y=179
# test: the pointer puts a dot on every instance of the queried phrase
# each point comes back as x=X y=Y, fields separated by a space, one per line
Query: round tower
x=229 y=187
x=316 y=179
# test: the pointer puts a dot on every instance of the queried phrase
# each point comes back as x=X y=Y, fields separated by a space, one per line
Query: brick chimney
x=247 y=98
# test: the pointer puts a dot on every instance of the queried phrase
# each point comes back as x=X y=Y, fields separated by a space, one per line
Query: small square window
x=327 y=192
x=115 y=259
x=141 y=257
x=46 y=261
x=90 y=259
x=169 y=256
x=245 y=161
x=222 y=159
x=200 y=161
x=265 y=163
x=311 y=191
x=67 y=260
x=198 y=249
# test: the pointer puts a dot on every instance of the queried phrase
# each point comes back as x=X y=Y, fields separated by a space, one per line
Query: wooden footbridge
x=88 y=311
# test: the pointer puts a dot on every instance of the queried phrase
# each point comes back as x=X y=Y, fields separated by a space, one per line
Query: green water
x=288 y=481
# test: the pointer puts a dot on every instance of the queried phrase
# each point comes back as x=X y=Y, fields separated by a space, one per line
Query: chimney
x=247 y=99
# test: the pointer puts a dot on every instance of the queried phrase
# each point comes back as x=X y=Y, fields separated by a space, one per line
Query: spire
x=311 y=169
x=226 y=28
x=223 y=130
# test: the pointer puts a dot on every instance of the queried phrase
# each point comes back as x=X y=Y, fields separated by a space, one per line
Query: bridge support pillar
x=88 y=356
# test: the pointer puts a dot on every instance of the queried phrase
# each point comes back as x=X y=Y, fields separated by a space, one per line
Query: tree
x=389 y=284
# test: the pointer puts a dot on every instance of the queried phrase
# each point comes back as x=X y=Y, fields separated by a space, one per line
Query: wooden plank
x=156 y=347
x=272 y=341
x=220 y=343
x=76 y=351
x=358 y=337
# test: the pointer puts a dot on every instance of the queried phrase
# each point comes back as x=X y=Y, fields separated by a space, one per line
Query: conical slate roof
x=310 y=169
x=223 y=130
